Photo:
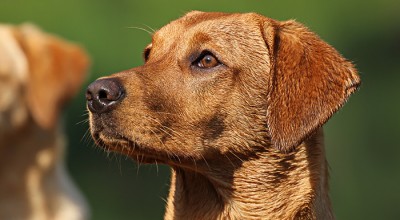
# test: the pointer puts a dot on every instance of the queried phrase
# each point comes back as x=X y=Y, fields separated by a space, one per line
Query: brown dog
x=234 y=103
x=39 y=73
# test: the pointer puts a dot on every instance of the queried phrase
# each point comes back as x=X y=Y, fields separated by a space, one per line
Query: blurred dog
x=39 y=73
x=234 y=103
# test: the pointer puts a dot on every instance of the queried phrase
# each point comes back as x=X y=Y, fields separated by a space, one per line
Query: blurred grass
x=362 y=139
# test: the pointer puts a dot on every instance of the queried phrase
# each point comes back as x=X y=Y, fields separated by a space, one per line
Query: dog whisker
x=195 y=163
x=82 y=122
x=231 y=152
x=164 y=199
x=152 y=29
x=230 y=161
x=86 y=136
x=85 y=114
x=205 y=161
x=142 y=29
x=155 y=161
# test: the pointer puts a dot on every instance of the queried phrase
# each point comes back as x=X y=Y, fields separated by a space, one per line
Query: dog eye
x=207 y=60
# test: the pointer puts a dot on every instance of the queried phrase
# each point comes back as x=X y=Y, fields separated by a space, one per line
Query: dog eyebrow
x=201 y=37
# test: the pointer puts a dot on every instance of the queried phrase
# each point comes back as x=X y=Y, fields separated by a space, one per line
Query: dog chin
x=125 y=146
x=111 y=143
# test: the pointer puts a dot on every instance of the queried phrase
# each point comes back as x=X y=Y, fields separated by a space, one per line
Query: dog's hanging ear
x=310 y=82
x=56 y=71
x=13 y=75
x=13 y=60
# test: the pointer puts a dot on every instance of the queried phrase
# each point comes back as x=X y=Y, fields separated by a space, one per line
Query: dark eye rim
x=204 y=53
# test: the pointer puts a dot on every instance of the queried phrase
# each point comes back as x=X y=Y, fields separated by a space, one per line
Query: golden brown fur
x=39 y=73
x=240 y=129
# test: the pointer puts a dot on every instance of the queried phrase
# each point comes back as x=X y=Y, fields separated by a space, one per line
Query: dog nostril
x=103 y=94
x=107 y=96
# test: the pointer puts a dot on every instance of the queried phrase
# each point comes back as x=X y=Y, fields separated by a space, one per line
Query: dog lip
x=111 y=140
x=108 y=140
x=121 y=144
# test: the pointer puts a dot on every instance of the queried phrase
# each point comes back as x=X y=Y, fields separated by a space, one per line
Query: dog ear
x=13 y=75
x=13 y=60
x=56 y=71
x=310 y=82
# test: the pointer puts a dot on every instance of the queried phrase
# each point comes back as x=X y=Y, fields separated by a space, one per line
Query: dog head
x=38 y=73
x=214 y=83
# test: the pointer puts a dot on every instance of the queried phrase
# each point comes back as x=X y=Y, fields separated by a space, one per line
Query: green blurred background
x=362 y=139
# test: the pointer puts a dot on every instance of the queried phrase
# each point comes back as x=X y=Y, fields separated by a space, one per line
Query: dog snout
x=104 y=94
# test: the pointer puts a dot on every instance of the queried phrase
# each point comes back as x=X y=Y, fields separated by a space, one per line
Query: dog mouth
x=108 y=136
x=119 y=143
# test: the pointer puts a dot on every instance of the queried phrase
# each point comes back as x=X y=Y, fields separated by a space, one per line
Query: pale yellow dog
x=39 y=73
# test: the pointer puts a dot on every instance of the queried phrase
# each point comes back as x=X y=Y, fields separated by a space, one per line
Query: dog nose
x=103 y=94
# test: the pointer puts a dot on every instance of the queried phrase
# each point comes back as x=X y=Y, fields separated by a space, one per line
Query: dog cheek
x=164 y=113
x=165 y=131
x=155 y=104
x=159 y=100
x=212 y=128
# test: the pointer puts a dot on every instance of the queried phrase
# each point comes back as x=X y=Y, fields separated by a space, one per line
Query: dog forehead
x=213 y=21
x=215 y=24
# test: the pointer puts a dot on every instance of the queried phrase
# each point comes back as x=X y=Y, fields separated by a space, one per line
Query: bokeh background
x=362 y=139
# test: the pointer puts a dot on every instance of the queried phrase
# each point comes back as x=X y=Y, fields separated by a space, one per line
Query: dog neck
x=266 y=185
